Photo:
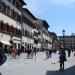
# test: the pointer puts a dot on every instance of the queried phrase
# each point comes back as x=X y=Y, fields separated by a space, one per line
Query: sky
x=60 y=14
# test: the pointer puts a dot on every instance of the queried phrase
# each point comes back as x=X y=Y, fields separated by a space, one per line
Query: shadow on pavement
x=69 y=71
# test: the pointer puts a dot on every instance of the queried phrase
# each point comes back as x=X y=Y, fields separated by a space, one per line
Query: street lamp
x=63 y=32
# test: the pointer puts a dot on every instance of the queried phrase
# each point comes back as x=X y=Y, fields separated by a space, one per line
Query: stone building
x=10 y=22
x=18 y=27
x=54 y=41
x=68 y=42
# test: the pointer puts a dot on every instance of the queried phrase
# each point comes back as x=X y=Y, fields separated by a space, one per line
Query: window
x=12 y=13
x=0 y=5
x=4 y=7
x=17 y=5
x=5 y=27
x=26 y=32
x=16 y=15
x=8 y=10
x=2 y=25
x=19 y=32
x=19 y=18
x=23 y=32
x=13 y=2
x=11 y=29
x=16 y=31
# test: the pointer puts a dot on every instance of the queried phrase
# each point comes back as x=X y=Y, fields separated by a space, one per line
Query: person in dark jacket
x=18 y=52
x=62 y=58
x=50 y=53
x=2 y=57
x=69 y=52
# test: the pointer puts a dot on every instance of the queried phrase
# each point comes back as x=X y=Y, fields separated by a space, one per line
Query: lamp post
x=63 y=32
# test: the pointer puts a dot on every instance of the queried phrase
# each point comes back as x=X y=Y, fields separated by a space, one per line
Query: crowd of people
x=30 y=52
x=13 y=51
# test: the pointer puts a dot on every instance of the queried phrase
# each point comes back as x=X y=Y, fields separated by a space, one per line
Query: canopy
x=5 y=42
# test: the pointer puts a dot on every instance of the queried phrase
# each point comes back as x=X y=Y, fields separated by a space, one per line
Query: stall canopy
x=5 y=42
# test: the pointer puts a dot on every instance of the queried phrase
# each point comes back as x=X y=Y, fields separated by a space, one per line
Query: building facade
x=44 y=39
x=68 y=42
x=18 y=27
x=28 y=26
x=10 y=21
x=54 y=41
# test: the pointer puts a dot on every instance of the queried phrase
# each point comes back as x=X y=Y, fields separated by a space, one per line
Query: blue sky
x=60 y=14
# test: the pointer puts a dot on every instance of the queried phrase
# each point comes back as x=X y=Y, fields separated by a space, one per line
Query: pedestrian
x=62 y=58
x=28 y=52
x=14 y=52
x=47 y=54
x=69 y=52
x=34 y=52
x=2 y=56
x=18 y=51
x=50 y=53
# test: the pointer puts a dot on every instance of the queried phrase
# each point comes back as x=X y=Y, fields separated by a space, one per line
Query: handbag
x=65 y=59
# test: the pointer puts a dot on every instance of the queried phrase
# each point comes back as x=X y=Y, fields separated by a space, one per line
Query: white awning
x=5 y=42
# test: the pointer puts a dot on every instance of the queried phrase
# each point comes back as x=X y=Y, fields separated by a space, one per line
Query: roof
x=22 y=1
x=25 y=9
x=53 y=34
x=45 y=22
